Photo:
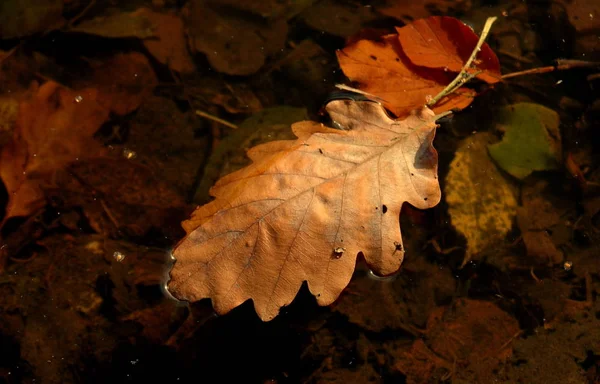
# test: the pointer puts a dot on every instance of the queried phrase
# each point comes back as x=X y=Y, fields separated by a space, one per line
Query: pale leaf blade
x=304 y=210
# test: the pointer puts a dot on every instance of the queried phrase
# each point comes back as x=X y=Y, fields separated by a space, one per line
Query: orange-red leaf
x=446 y=43
x=304 y=209
x=382 y=69
x=407 y=68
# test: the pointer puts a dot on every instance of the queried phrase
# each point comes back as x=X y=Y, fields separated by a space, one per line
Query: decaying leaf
x=337 y=18
x=481 y=202
x=543 y=222
x=471 y=334
x=268 y=9
x=9 y=108
x=124 y=81
x=169 y=44
x=534 y=218
x=53 y=129
x=117 y=25
x=407 y=68
x=233 y=43
x=304 y=209
x=531 y=142
x=409 y=11
x=19 y=18
x=583 y=15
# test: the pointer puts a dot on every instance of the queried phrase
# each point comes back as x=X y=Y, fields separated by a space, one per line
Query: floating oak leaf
x=305 y=208
x=53 y=129
x=407 y=68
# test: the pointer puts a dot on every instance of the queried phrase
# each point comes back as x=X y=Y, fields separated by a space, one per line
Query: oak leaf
x=306 y=208
x=53 y=129
x=407 y=68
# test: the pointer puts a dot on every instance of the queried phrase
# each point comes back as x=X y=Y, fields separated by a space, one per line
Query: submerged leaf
x=481 y=202
x=19 y=18
x=232 y=42
x=304 y=209
x=117 y=25
x=169 y=46
x=53 y=129
x=532 y=140
x=124 y=81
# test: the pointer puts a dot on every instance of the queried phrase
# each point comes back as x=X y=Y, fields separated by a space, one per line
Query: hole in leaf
x=384 y=208
x=374 y=57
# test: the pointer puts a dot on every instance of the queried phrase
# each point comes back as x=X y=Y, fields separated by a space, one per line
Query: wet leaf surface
x=168 y=44
x=20 y=18
x=118 y=25
x=38 y=147
x=531 y=141
x=482 y=203
x=467 y=339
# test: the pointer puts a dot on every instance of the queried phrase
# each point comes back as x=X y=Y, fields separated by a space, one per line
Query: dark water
x=115 y=120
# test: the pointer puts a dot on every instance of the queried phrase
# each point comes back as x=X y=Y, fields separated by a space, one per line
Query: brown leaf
x=407 y=68
x=534 y=218
x=169 y=46
x=123 y=82
x=234 y=43
x=121 y=194
x=471 y=334
x=305 y=209
x=20 y=18
x=337 y=18
x=53 y=129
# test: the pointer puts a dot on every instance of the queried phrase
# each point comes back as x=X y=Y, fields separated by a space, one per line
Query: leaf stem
x=560 y=65
x=464 y=76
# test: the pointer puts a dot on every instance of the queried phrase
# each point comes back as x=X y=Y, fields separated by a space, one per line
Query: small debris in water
x=119 y=256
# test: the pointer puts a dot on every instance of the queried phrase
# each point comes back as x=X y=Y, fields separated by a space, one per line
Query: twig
x=464 y=76
x=217 y=119
x=529 y=72
x=344 y=87
x=532 y=273
x=560 y=65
